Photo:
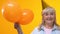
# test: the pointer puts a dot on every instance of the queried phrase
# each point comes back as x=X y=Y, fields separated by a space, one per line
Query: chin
x=50 y=22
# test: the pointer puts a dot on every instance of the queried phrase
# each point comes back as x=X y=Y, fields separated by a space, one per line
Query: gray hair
x=48 y=9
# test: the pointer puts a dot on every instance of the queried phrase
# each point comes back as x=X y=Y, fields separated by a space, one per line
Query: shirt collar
x=53 y=29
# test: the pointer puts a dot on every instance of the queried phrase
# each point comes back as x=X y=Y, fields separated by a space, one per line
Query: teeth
x=49 y=19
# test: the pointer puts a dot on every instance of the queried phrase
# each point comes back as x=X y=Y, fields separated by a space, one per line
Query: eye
x=51 y=13
x=46 y=14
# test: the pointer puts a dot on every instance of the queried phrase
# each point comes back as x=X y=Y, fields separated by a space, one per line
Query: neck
x=48 y=26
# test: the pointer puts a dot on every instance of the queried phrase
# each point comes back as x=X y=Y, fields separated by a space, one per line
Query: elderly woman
x=49 y=25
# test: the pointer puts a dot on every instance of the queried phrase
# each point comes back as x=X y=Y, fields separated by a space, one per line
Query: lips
x=49 y=19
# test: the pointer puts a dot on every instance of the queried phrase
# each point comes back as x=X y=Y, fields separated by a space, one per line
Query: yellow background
x=36 y=6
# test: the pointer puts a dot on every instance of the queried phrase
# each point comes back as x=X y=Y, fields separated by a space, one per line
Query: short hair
x=48 y=9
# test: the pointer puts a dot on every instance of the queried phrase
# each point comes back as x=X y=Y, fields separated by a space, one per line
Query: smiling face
x=48 y=15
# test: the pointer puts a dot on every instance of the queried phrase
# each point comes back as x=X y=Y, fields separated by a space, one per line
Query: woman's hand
x=18 y=28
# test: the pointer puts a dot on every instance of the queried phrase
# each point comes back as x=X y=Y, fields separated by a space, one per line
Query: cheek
x=53 y=17
x=45 y=17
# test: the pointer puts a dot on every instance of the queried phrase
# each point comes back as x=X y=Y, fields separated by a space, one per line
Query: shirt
x=47 y=31
x=54 y=30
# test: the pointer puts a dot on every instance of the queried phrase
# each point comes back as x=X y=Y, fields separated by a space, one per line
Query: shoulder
x=35 y=30
x=58 y=28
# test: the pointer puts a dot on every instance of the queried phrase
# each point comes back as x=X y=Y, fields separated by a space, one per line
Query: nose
x=49 y=16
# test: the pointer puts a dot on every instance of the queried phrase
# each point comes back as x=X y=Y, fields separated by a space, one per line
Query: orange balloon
x=26 y=16
x=11 y=11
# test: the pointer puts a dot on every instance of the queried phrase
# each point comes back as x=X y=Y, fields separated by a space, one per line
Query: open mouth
x=49 y=19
